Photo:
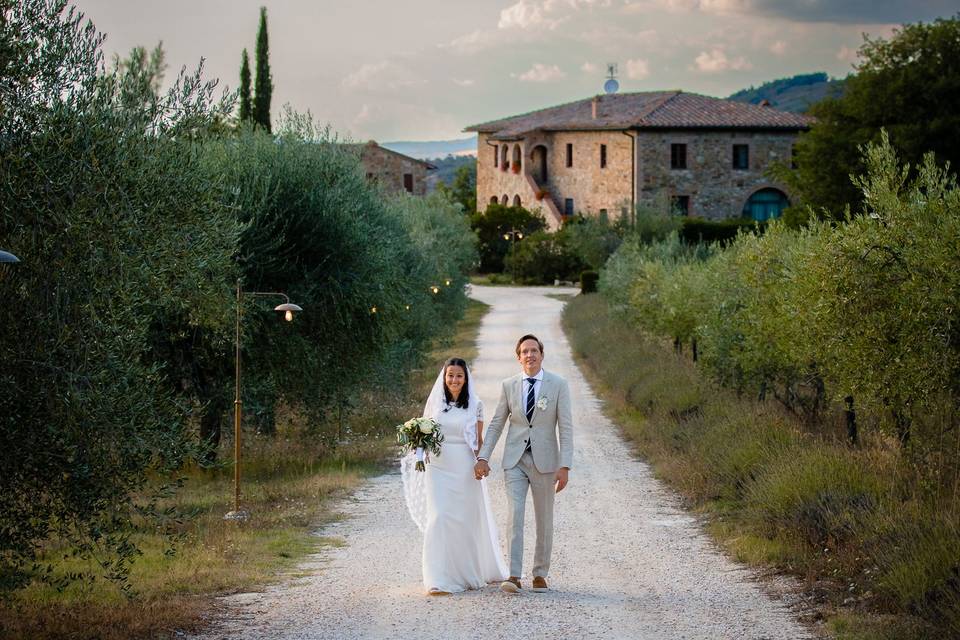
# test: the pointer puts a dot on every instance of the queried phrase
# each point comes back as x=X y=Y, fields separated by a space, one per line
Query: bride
x=461 y=547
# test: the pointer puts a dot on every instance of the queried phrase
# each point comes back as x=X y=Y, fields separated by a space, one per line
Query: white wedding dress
x=461 y=547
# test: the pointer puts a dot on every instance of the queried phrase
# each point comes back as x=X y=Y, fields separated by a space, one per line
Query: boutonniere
x=542 y=403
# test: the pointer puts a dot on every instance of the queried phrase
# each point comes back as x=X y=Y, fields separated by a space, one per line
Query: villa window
x=793 y=156
x=603 y=156
x=496 y=157
x=604 y=218
x=680 y=205
x=408 y=182
x=569 y=154
x=678 y=156
x=741 y=156
x=568 y=207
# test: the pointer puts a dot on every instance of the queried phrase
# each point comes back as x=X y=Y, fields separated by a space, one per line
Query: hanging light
x=288 y=308
x=435 y=289
x=447 y=282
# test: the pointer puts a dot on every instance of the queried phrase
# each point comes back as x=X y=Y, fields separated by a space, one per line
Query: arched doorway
x=516 y=200
x=538 y=164
x=503 y=158
x=504 y=200
x=517 y=162
x=765 y=204
x=494 y=200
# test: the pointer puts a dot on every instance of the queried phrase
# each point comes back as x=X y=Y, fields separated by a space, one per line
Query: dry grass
x=873 y=539
x=290 y=484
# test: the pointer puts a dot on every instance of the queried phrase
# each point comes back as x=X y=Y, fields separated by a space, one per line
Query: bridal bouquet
x=420 y=435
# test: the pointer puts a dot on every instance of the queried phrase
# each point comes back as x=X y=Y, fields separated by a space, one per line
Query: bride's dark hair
x=464 y=400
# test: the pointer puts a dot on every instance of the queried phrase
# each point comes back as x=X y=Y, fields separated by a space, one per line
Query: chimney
x=595 y=105
x=764 y=103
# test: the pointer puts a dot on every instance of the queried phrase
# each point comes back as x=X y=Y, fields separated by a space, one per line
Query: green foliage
x=542 y=258
x=861 y=524
x=463 y=187
x=860 y=309
x=246 y=100
x=134 y=221
x=492 y=223
x=593 y=240
x=263 y=83
x=700 y=230
x=105 y=200
x=906 y=84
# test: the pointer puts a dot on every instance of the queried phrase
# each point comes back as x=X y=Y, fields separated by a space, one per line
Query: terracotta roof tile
x=646 y=110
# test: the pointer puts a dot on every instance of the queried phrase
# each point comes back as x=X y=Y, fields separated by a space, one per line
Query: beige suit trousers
x=517 y=480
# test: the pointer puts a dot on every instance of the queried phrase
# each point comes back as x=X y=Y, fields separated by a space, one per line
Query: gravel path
x=627 y=561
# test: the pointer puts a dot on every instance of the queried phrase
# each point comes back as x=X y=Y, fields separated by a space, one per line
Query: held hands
x=561 y=478
x=481 y=470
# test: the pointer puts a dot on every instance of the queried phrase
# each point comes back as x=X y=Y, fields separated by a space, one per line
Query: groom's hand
x=561 y=480
x=481 y=470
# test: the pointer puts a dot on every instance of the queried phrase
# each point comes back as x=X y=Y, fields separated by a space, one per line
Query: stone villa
x=394 y=171
x=603 y=156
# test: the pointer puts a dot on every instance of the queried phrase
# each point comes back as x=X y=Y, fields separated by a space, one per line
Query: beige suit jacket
x=550 y=431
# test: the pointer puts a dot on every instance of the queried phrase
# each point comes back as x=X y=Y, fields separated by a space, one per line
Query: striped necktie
x=531 y=398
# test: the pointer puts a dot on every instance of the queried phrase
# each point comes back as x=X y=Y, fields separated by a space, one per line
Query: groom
x=535 y=406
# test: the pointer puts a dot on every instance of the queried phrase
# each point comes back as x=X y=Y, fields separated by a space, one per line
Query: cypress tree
x=246 y=106
x=264 y=83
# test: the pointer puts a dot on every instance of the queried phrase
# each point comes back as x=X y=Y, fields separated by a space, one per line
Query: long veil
x=414 y=482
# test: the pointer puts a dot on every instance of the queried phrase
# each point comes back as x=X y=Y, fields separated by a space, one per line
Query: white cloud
x=529 y=15
x=589 y=67
x=846 y=54
x=637 y=69
x=466 y=82
x=544 y=14
x=716 y=61
x=541 y=73
x=381 y=76
x=778 y=48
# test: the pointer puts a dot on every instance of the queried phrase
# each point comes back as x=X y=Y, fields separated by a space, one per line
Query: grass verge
x=876 y=547
x=290 y=484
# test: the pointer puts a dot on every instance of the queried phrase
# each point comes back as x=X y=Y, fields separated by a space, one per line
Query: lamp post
x=288 y=308
x=513 y=235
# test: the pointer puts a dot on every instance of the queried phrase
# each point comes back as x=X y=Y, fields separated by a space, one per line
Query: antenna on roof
x=611 y=85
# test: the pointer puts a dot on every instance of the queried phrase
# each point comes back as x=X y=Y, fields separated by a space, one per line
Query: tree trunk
x=693 y=347
x=851 y=421
x=902 y=423
x=210 y=427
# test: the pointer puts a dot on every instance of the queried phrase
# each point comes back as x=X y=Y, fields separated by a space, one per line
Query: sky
x=425 y=69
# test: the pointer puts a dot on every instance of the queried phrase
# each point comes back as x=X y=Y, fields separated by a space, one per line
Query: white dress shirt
x=536 y=387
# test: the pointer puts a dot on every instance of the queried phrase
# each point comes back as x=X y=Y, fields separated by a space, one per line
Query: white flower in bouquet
x=420 y=435
x=542 y=403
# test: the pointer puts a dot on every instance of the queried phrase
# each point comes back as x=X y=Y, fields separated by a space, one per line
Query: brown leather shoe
x=540 y=584
x=510 y=585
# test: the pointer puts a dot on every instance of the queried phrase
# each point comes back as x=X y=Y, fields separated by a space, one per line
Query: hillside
x=794 y=94
x=425 y=150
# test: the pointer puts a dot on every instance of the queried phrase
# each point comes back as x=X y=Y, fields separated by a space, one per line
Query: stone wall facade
x=713 y=187
x=716 y=190
x=393 y=171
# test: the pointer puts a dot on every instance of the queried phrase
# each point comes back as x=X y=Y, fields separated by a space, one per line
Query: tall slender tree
x=264 y=83
x=246 y=102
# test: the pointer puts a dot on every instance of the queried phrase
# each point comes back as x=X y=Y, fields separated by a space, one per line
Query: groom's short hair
x=529 y=336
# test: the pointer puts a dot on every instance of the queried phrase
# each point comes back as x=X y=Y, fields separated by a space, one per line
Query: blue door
x=765 y=204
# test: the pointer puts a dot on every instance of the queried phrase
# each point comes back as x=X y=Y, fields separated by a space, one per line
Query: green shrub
x=588 y=281
x=694 y=230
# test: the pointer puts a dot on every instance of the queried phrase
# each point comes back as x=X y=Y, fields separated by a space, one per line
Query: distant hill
x=447 y=169
x=794 y=94
x=435 y=148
